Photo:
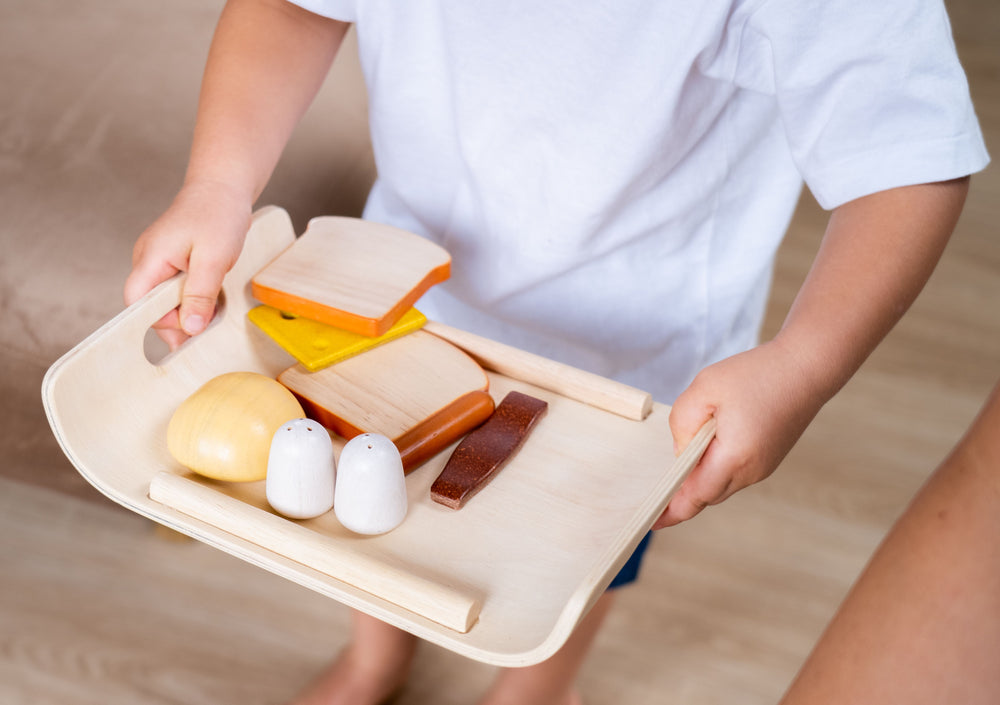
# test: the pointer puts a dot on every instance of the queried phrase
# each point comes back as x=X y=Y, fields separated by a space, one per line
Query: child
x=612 y=180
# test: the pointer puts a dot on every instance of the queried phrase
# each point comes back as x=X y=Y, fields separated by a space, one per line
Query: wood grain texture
x=580 y=385
x=440 y=603
x=390 y=389
x=352 y=274
x=224 y=429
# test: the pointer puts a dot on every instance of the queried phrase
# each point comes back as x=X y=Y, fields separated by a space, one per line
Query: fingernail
x=194 y=324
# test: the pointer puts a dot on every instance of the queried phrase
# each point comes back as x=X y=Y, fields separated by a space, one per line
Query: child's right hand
x=201 y=233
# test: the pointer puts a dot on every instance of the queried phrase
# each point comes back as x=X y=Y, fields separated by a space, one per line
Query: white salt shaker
x=301 y=470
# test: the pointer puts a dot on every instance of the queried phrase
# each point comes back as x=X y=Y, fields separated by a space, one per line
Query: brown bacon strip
x=484 y=451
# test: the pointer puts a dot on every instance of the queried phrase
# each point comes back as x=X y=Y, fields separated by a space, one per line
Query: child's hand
x=202 y=233
x=762 y=401
x=876 y=255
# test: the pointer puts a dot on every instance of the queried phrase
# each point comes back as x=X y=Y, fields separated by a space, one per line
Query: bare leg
x=368 y=671
x=551 y=682
x=922 y=624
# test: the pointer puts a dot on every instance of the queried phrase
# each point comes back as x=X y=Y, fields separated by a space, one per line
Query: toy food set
x=474 y=494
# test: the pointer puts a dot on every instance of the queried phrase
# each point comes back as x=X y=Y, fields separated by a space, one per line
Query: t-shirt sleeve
x=871 y=94
x=343 y=10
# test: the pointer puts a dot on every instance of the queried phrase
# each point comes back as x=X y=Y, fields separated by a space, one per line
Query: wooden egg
x=301 y=470
x=371 y=490
x=224 y=429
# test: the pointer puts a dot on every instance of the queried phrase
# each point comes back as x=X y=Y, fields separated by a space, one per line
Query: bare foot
x=369 y=671
x=347 y=681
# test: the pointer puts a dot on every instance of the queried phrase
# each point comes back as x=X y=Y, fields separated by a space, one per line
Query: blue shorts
x=630 y=571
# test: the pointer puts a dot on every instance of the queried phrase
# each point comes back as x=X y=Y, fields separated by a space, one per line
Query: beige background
x=95 y=607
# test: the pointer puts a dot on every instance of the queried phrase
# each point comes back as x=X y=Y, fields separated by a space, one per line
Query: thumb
x=688 y=414
x=201 y=289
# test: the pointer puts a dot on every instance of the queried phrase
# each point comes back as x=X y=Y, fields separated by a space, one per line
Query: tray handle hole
x=157 y=351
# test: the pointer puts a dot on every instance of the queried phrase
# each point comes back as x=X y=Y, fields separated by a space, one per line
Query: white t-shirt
x=613 y=177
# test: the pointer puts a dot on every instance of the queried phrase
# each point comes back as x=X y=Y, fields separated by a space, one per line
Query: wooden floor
x=96 y=607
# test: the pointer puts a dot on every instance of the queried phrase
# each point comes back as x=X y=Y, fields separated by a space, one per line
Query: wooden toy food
x=419 y=391
x=301 y=470
x=352 y=274
x=317 y=345
x=438 y=431
x=484 y=451
x=371 y=490
x=224 y=429
x=547 y=519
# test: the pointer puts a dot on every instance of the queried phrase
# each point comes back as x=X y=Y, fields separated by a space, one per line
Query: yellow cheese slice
x=317 y=345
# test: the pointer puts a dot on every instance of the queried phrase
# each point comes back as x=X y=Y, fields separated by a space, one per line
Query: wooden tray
x=521 y=563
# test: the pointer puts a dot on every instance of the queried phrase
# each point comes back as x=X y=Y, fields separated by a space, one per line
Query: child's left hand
x=762 y=401
x=876 y=255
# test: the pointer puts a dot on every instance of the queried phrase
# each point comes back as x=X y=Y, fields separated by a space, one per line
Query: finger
x=169 y=320
x=173 y=337
x=682 y=507
x=709 y=483
x=690 y=412
x=169 y=330
x=677 y=512
x=201 y=290
x=145 y=275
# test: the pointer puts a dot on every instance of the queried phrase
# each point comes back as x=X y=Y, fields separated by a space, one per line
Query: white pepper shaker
x=371 y=487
